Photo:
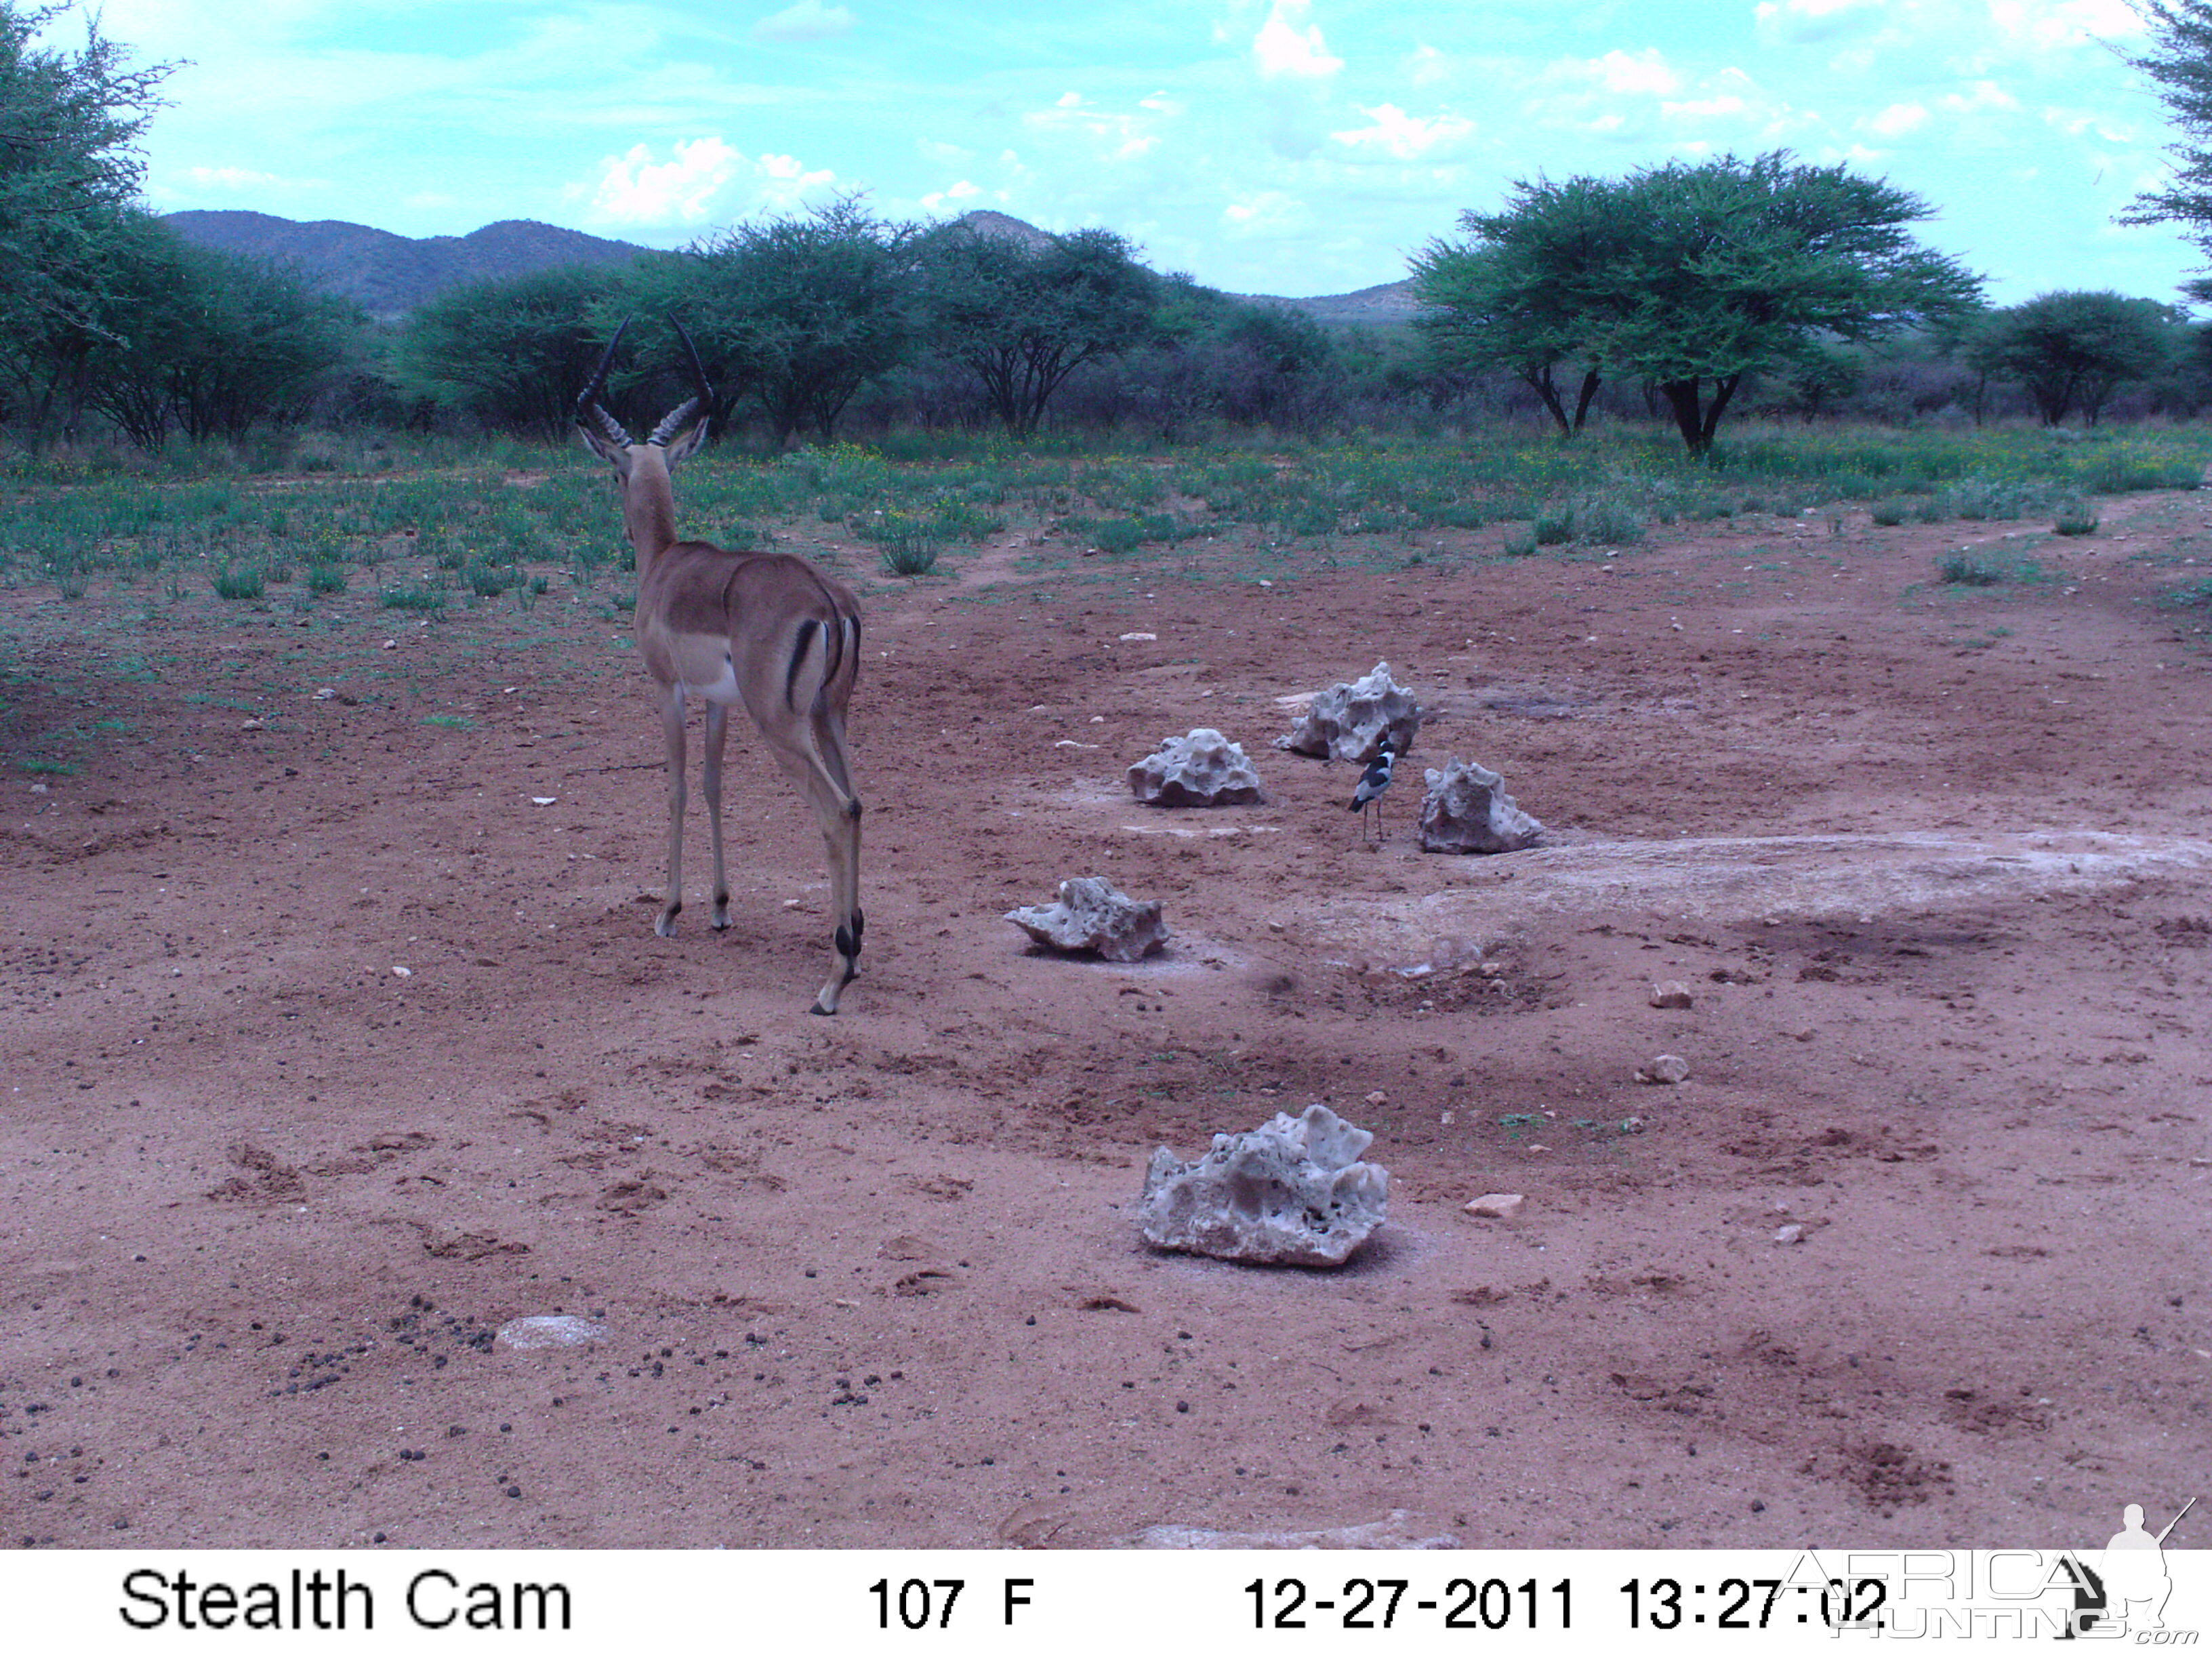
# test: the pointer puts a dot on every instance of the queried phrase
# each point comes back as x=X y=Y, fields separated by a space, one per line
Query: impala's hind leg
x=816 y=765
x=718 y=731
x=840 y=815
x=671 y=727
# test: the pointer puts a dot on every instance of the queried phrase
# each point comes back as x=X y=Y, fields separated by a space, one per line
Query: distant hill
x=389 y=276
x=1381 y=306
x=988 y=222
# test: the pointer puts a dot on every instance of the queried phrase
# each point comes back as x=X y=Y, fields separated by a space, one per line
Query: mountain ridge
x=389 y=275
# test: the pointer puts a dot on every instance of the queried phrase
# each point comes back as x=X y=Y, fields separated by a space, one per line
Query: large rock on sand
x=1346 y=722
x=1093 y=914
x=1202 y=769
x=1466 y=810
x=1291 y=1192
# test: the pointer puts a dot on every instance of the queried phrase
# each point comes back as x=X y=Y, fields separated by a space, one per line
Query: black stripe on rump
x=806 y=637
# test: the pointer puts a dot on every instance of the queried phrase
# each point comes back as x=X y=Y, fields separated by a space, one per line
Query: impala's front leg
x=671 y=727
x=717 y=731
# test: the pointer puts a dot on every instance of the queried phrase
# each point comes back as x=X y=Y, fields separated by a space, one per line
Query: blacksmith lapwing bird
x=1372 y=783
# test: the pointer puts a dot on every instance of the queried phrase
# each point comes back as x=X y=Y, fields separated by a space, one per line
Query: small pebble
x=1495 y=1206
x=1670 y=994
x=1665 y=1068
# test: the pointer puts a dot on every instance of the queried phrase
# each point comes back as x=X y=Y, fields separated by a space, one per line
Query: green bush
x=1892 y=511
x=2075 y=518
x=1606 y=520
x=325 y=578
x=1963 y=569
x=241 y=581
x=488 y=581
x=411 y=598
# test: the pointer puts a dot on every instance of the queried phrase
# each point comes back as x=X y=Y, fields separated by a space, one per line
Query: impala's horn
x=588 y=412
x=702 y=394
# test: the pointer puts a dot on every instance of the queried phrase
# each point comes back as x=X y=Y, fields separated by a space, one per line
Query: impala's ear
x=689 y=445
x=616 y=455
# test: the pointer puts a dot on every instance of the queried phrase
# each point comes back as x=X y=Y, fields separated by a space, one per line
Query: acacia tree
x=1691 y=278
x=2180 y=61
x=1502 y=300
x=2069 y=348
x=796 y=313
x=1024 y=319
x=514 y=352
x=69 y=175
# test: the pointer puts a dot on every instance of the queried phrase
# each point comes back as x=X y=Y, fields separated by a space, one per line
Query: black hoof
x=825 y=1012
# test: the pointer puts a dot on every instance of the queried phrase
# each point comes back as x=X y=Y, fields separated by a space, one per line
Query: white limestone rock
x=1291 y=1192
x=550 y=1331
x=1346 y=722
x=1466 y=810
x=1093 y=914
x=1202 y=769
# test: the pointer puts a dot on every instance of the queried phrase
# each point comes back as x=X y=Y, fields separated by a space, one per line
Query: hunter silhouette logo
x=2128 y=1588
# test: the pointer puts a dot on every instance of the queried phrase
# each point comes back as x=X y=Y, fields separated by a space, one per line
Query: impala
x=766 y=629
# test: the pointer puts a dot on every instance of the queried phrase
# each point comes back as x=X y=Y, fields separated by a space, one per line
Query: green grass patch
x=2075 y=518
x=1969 y=570
x=241 y=581
x=451 y=722
x=411 y=598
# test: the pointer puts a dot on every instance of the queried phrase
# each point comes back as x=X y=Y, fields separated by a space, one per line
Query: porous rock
x=1293 y=1192
x=1466 y=810
x=1665 y=1068
x=1346 y=722
x=1202 y=769
x=1093 y=914
x=550 y=1331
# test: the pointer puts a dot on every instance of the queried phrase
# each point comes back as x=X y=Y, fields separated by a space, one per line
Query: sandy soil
x=1935 y=862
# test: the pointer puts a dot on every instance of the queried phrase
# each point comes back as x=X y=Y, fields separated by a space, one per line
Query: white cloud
x=1705 y=109
x=1111 y=135
x=1426 y=66
x=1266 y=213
x=1403 y=137
x=1281 y=48
x=1981 y=96
x=810 y=20
x=1806 y=23
x=961 y=191
x=246 y=178
x=1646 y=72
x=1897 y=120
x=2047 y=23
x=635 y=190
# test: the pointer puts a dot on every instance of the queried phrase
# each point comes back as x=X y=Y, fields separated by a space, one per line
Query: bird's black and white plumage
x=1372 y=783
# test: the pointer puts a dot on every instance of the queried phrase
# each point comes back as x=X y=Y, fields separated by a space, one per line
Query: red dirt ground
x=1934 y=860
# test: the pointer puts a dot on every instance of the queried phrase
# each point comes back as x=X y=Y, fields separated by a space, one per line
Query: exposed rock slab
x=1466 y=810
x=550 y=1331
x=1093 y=914
x=1201 y=769
x=1346 y=722
x=1291 y=1192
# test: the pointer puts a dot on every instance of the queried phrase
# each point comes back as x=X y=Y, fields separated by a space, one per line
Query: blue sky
x=1266 y=146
